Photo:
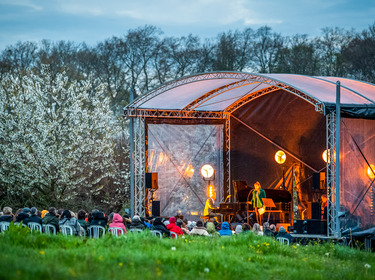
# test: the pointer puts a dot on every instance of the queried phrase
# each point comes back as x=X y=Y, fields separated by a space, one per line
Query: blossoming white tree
x=57 y=138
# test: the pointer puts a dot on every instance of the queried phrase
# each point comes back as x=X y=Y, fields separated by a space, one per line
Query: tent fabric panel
x=225 y=99
x=363 y=88
x=325 y=91
x=356 y=192
x=179 y=97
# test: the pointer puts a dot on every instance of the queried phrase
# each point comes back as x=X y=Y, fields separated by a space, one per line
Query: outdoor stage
x=237 y=122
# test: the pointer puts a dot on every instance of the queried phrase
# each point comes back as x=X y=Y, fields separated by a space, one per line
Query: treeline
x=144 y=58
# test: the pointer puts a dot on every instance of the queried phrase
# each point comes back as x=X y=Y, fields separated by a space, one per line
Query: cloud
x=23 y=3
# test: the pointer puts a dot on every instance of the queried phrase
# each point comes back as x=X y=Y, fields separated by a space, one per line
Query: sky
x=93 y=21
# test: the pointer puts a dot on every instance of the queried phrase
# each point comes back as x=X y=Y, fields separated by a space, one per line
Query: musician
x=257 y=202
x=210 y=205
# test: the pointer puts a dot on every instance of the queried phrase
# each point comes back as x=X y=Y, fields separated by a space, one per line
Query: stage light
x=370 y=171
x=210 y=191
x=326 y=155
x=189 y=171
x=280 y=157
x=207 y=171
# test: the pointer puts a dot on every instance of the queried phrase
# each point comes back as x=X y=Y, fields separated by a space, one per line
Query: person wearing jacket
x=173 y=227
x=199 y=229
x=23 y=215
x=117 y=221
x=183 y=227
x=98 y=219
x=211 y=229
x=33 y=217
x=283 y=233
x=7 y=215
x=81 y=216
x=225 y=230
x=68 y=220
x=159 y=226
x=137 y=223
x=51 y=218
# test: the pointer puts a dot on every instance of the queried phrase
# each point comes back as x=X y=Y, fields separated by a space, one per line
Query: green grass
x=142 y=256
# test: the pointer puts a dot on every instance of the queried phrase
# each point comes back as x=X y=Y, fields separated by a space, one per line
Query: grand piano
x=239 y=209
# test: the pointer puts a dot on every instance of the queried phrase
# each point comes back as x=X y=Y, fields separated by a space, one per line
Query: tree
x=57 y=139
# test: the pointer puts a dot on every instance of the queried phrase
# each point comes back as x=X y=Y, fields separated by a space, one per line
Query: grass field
x=142 y=256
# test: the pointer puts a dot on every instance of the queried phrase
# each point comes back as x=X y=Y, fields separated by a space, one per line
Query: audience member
x=25 y=214
x=159 y=226
x=33 y=217
x=81 y=216
x=51 y=218
x=173 y=227
x=117 y=222
x=44 y=212
x=183 y=227
x=137 y=223
x=273 y=230
x=266 y=230
x=225 y=229
x=283 y=233
x=67 y=220
x=98 y=218
x=257 y=230
x=199 y=229
x=211 y=229
x=246 y=228
x=7 y=215
x=238 y=229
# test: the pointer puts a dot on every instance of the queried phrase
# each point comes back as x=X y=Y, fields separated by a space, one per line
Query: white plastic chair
x=66 y=230
x=137 y=230
x=157 y=233
x=173 y=234
x=35 y=226
x=49 y=229
x=18 y=224
x=94 y=231
x=4 y=226
x=117 y=231
x=283 y=240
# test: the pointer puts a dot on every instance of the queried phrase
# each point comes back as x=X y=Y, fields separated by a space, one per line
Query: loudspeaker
x=316 y=181
x=156 y=208
x=151 y=181
x=300 y=226
x=316 y=226
x=313 y=210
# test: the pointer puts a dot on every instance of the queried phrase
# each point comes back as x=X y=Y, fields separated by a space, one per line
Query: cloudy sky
x=95 y=20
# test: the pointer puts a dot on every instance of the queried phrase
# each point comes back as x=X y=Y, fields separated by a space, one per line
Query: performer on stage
x=210 y=205
x=257 y=202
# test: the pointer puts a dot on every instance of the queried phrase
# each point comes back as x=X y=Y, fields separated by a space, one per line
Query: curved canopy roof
x=223 y=92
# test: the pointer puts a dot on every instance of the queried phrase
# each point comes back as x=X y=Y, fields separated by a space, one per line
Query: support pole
x=338 y=117
x=131 y=160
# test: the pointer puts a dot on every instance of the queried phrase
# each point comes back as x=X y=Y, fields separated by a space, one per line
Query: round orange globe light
x=280 y=157
x=326 y=156
x=370 y=171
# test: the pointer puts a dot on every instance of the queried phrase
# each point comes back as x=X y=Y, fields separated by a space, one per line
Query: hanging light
x=326 y=156
x=370 y=171
x=280 y=157
x=207 y=171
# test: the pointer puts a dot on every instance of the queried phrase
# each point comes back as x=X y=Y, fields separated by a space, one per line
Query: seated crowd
x=81 y=221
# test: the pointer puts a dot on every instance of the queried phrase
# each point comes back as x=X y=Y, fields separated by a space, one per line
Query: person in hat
x=23 y=215
x=283 y=233
x=173 y=227
x=33 y=217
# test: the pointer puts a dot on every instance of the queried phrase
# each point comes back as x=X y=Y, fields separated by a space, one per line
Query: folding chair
x=117 y=231
x=66 y=230
x=283 y=240
x=4 y=226
x=49 y=229
x=157 y=233
x=94 y=231
x=18 y=224
x=173 y=234
x=35 y=226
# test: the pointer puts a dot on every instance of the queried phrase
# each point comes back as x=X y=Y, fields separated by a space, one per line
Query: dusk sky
x=93 y=21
